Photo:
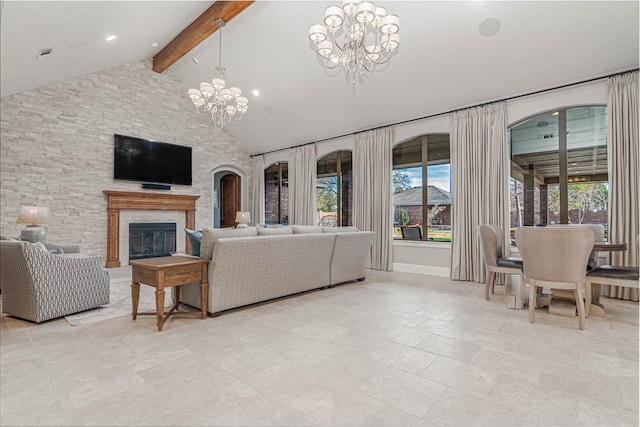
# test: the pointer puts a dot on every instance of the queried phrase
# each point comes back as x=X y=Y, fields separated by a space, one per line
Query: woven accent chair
x=556 y=257
x=491 y=238
x=37 y=285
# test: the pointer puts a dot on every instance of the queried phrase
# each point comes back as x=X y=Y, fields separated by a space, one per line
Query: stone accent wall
x=56 y=148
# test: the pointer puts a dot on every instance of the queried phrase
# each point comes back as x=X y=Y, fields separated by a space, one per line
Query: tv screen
x=138 y=159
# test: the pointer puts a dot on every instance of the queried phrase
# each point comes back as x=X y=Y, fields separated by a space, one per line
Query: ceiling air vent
x=44 y=52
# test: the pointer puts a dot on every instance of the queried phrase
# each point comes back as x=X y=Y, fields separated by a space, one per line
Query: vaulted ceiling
x=444 y=61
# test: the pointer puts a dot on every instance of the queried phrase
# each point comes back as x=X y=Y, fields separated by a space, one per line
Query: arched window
x=422 y=189
x=276 y=194
x=559 y=168
x=335 y=189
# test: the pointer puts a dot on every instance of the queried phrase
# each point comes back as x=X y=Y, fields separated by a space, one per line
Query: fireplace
x=150 y=240
x=118 y=201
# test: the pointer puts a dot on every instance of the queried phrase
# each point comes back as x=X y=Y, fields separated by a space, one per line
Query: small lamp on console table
x=34 y=216
x=242 y=218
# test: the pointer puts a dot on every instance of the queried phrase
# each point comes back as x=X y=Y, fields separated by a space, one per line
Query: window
x=559 y=168
x=276 y=197
x=422 y=189
x=335 y=189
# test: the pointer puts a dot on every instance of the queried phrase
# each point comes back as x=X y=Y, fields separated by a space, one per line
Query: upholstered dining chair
x=38 y=285
x=491 y=238
x=616 y=275
x=556 y=258
x=598 y=230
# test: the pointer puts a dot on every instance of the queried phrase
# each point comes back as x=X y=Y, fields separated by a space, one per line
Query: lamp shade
x=243 y=217
x=32 y=214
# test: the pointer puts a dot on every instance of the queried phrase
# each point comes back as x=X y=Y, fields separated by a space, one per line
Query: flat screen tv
x=144 y=160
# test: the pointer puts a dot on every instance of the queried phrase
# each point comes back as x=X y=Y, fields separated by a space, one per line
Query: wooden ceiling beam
x=196 y=32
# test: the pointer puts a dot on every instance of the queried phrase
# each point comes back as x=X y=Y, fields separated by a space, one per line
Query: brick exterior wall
x=271 y=195
x=347 y=199
x=57 y=149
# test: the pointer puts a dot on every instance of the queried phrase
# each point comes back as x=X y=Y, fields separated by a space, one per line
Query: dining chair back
x=556 y=258
x=600 y=233
x=491 y=238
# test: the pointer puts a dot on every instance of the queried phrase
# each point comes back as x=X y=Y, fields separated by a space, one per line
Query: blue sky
x=439 y=176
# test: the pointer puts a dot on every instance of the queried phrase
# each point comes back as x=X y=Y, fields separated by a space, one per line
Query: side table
x=165 y=272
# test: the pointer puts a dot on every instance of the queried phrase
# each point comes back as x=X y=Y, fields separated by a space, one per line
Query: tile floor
x=395 y=350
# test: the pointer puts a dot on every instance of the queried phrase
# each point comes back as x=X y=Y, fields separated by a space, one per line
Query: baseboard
x=421 y=269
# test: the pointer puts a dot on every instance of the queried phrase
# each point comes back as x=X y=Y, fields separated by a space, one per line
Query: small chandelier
x=357 y=37
x=222 y=103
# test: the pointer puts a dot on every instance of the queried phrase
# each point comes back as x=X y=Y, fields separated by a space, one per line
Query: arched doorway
x=230 y=196
x=230 y=190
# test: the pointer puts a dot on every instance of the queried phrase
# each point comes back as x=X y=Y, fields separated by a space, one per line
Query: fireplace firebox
x=150 y=240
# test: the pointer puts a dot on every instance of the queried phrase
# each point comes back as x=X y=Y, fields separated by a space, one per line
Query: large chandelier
x=222 y=103
x=356 y=37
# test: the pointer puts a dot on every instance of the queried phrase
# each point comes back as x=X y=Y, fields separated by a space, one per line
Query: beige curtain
x=372 y=199
x=257 y=214
x=479 y=182
x=622 y=149
x=303 y=197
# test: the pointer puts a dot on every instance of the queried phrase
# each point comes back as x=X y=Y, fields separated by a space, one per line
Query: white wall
x=57 y=149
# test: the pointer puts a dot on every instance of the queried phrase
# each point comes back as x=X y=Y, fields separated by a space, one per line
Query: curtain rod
x=430 y=116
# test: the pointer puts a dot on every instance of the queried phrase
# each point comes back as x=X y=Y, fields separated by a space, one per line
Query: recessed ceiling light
x=195 y=60
x=110 y=38
x=154 y=44
x=255 y=92
x=555 y=113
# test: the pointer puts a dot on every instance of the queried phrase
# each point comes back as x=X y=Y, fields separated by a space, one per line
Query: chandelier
x=356 y=37
x=222 y=103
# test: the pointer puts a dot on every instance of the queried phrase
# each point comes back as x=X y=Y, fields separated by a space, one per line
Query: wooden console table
x=165 y=272
x=117 y=200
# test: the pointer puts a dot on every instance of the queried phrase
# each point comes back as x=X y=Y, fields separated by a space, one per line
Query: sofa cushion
x=306 y=229
x=211 y=235
x=275 y=231
x=348 y=229
x=195 y=239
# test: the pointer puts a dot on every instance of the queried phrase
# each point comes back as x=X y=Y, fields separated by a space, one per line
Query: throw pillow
x=306 y=229
x=211 y=235
x=195 y=237
x=276 y=231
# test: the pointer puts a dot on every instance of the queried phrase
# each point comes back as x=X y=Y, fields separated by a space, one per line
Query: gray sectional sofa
x=252 y=265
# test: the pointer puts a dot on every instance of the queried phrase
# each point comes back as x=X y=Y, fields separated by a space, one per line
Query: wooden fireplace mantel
x=117 y=200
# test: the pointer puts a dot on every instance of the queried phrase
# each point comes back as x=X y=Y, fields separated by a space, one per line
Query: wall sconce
x=242 y=218
x=34 y=216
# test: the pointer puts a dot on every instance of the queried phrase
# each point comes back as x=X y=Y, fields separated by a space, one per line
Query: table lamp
x=34 y=216
x=242 y=218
